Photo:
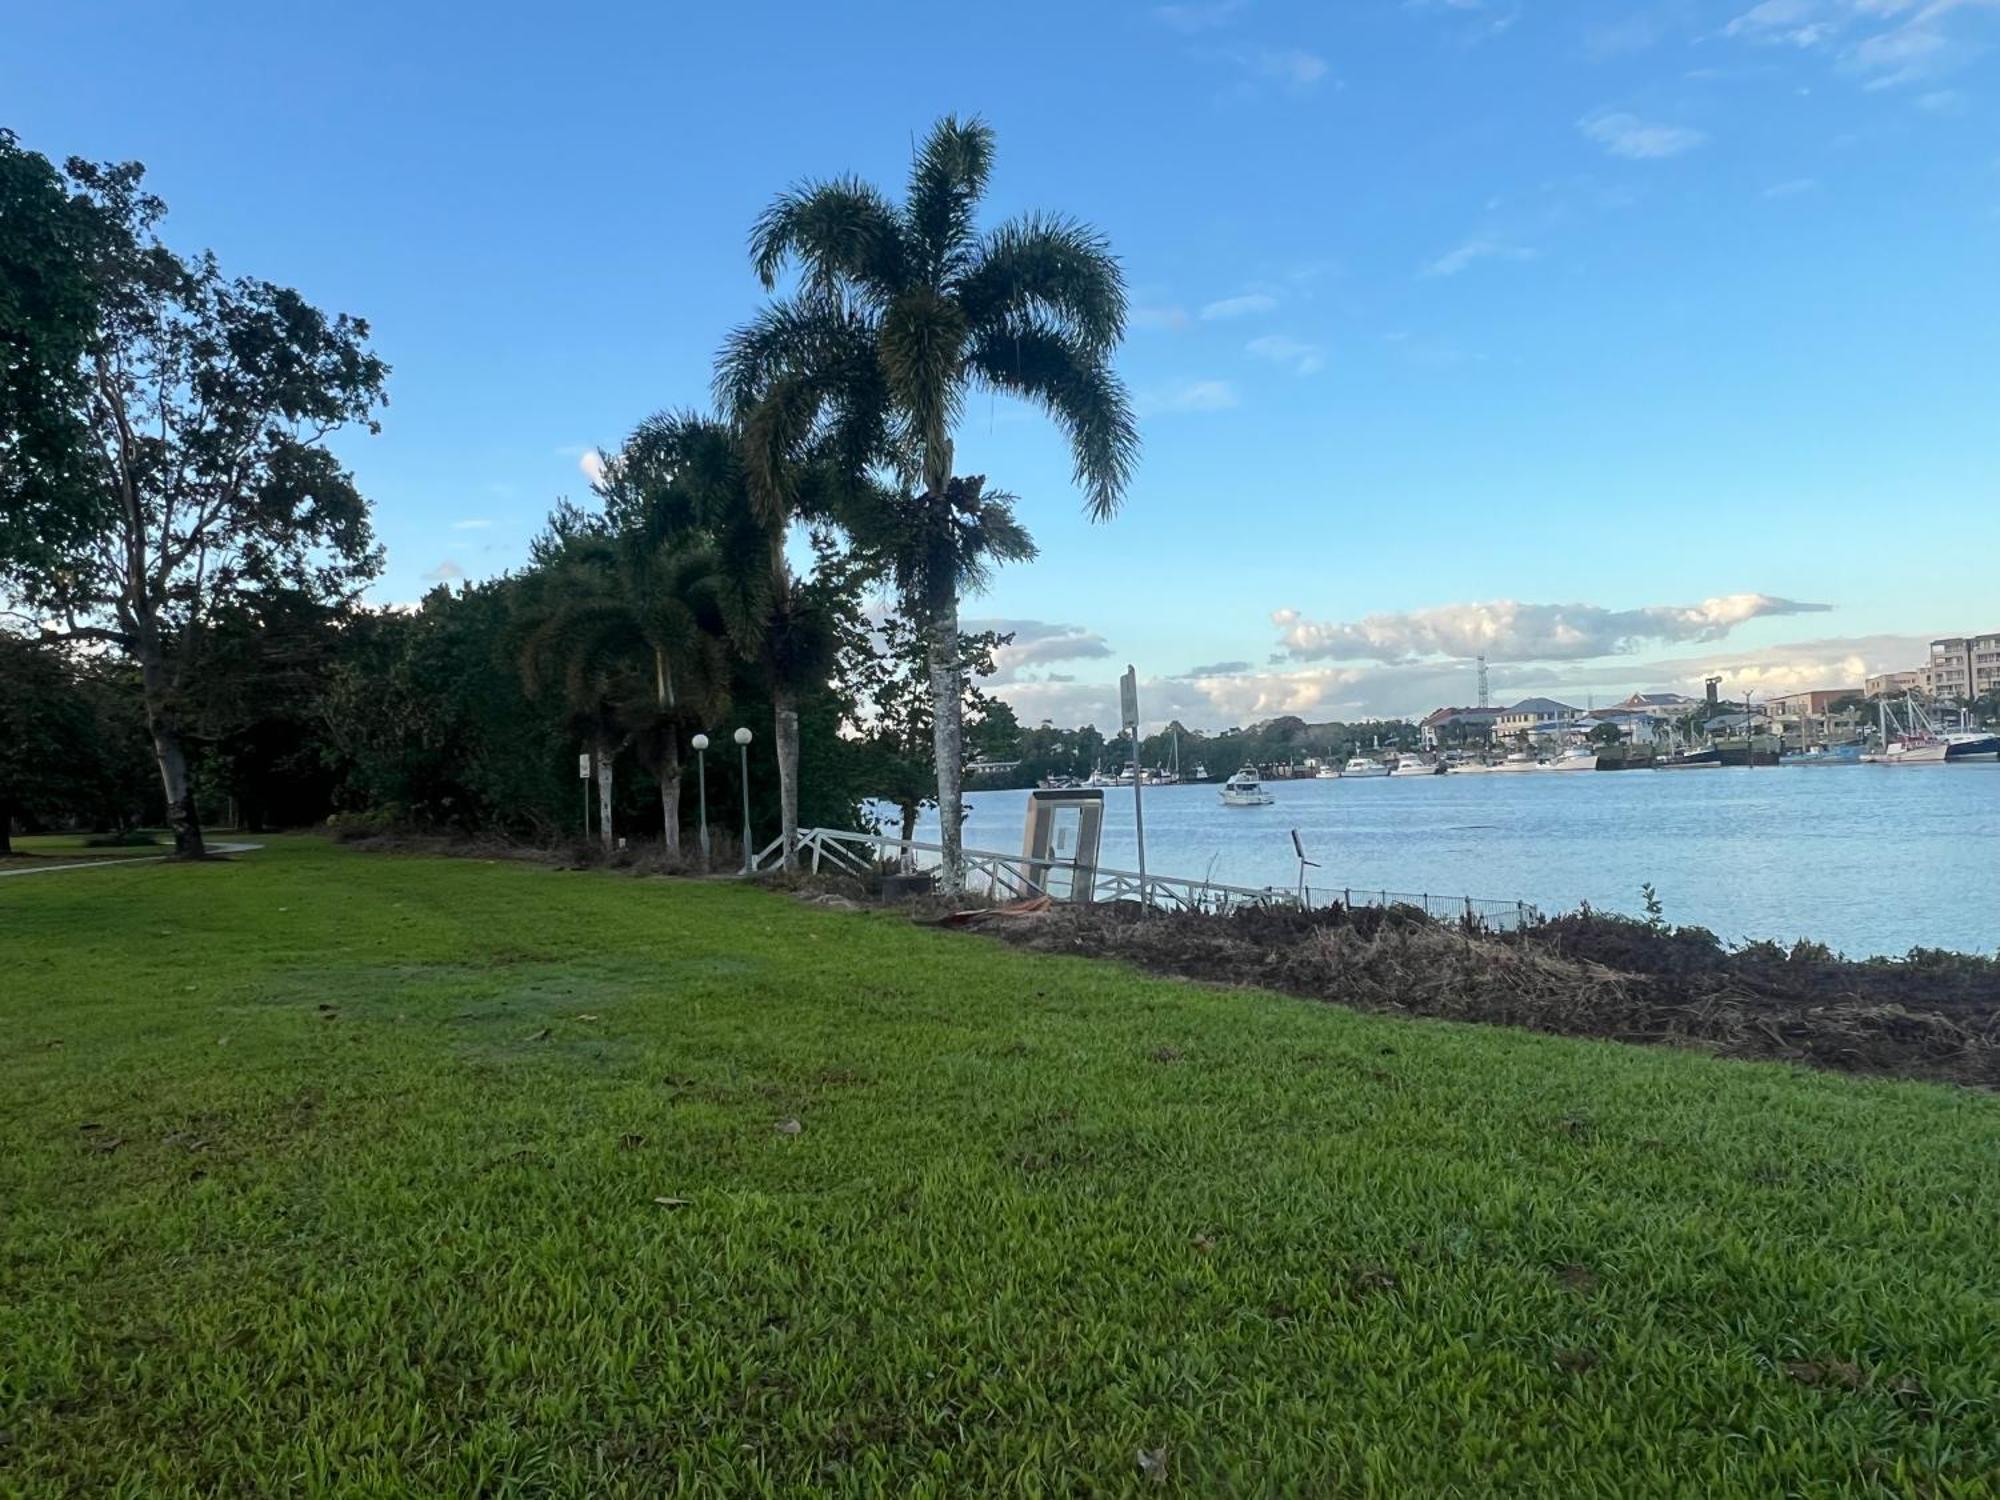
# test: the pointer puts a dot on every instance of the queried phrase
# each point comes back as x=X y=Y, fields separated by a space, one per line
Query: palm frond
x=947 y=180
x=1055 y=269
x=1076 y=387
x=844 y=234
x=922 y=345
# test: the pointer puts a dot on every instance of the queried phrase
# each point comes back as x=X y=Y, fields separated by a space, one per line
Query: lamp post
x=742 y=737
x=701 y=783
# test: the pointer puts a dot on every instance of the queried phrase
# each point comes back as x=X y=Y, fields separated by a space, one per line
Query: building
x=1965 y=666
x=1660 y=705
x=1457 y=726
x=1534 y=717
x=1818 y=701
x=1896 y=684
x=1810 y=719
x=1634 y=726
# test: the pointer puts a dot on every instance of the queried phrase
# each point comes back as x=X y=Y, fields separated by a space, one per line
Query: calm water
x=1869 y=859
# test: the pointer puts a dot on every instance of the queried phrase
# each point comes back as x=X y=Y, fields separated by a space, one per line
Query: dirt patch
x=1930 y=1015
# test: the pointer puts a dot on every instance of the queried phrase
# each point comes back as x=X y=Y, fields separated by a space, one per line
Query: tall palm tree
x=901 y=310
x=694 y=464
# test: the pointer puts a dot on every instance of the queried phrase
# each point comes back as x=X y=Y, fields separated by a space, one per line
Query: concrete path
x=142 y=859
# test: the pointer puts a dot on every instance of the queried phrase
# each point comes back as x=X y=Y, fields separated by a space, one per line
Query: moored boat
x=1362 y=769
x=1245 y=790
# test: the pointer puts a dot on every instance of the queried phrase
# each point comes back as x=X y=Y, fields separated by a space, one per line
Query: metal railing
x=1014 y=877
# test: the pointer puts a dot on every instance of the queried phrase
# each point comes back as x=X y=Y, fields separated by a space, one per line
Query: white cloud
x=1239 y=307
x=1299 y=357
x=476 y=523
x=1792 y=188
x=444 y=572
x=1293 y=66
x=1506 y=630
x=1886 y=43
x=1635 y=139
x=1190 y=395
x=591 y=463
x=1475 y=250
x=1037 y=643
x=1168 y=316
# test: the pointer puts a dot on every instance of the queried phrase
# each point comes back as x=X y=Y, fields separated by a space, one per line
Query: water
x=1867 y=859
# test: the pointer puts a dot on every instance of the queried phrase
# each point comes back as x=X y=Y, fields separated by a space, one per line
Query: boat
x=1520 y=760
x=1362 y=769
x=1916 y=741
x=1411 y=765
x=1245 y=790
x=1706 y=758
x=1848 y=754
x=1575 y=758
x=1327 y=772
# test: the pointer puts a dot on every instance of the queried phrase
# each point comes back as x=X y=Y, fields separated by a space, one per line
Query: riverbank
x=328 y=1171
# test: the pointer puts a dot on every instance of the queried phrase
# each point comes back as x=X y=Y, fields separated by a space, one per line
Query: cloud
x=444 y=572
x=1219 y=669
x=1796 y=23
x=592 y=464
x=1239 y=307
x=1299 y=357
x=1038 y=643
x=1792 y=188
x=1292 y=66
x=1505 y=630
x=1169 y=316
x=1199 y=15
x=475 y=523
x=1475 y=250
x=1189 y=395
x=1635 y=139
x=1886 y=43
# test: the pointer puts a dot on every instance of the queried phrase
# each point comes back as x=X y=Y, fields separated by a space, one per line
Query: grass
x=55 y=848
x=329 y=1173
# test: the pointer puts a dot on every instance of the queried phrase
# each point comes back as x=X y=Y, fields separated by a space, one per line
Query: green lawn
x=328 y=1173
x=61 y=848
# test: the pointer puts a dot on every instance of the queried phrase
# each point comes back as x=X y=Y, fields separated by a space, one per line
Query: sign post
x=1128 y=708
x=583 y=775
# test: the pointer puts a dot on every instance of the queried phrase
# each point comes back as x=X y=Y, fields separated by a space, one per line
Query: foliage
x=460 y=1177
x=895 y=683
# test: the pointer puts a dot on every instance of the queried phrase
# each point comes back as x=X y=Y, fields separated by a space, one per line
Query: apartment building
x=1965 y=666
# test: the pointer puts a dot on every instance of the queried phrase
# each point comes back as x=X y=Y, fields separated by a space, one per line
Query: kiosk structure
x=1062 y=835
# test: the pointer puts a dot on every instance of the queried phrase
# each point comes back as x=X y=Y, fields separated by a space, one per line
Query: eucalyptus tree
x=198 y=475
x=899 y=312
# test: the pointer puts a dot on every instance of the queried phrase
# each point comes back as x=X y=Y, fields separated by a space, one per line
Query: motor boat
x=1245 y=790
x=1520 y=760
x=1327 y=772
x=1575 y=758
x=1362 y=769
x=1823 y=755
x=1410 y=765
x=1707 y=758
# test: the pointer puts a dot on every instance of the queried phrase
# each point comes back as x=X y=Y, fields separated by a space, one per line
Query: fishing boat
x=1574 y=758
x=1362 y=769
x=1245 y=790
x=1846 y=754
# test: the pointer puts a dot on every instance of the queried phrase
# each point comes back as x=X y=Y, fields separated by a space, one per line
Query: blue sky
x=1607 y=335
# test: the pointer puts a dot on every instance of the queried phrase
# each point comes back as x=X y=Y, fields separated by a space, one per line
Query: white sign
x=1128 y=699
x=583 y=766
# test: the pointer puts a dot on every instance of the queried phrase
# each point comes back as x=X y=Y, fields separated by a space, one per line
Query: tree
x=1606 y=734
x=205 y=403
x=692 y=469
x=898 y=685
x=902 y=310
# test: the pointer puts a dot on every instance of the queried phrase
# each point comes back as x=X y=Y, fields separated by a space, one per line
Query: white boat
x=1917 y=740
x=1575 y=758
x=1361 y=769
x=1520 y=760
x=1410 y=765
x=1327 y=772
x=1245 y=790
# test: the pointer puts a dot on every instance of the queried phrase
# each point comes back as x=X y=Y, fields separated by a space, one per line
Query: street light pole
x=743 y=743
x=701 y=783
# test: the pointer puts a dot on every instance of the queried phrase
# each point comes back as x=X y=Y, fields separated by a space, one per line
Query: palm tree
x=694 y=467
x=901 y=311
x=632 y=627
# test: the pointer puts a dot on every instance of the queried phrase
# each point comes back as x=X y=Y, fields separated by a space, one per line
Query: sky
x=1625 y=342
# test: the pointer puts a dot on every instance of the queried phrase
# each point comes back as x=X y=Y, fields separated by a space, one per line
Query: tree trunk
x=911 y=809
x=604 y=798
x=669 y=772
x=785 y=715
x=948 y=733
x=6 y=825
x=170 y=755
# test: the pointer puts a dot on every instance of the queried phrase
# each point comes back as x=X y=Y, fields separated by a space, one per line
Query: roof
x=1446 y=715
x=1546 y=707
x=1658 y=700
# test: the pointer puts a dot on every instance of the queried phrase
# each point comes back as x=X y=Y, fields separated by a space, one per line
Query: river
x=1867 y=859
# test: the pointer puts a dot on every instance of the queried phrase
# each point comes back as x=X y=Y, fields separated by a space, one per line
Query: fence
x=1013 y=877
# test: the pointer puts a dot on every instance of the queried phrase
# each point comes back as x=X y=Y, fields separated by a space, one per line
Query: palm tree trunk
x=947 y=738
x=604 y=797
x=669 y=772
x=785 y=717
